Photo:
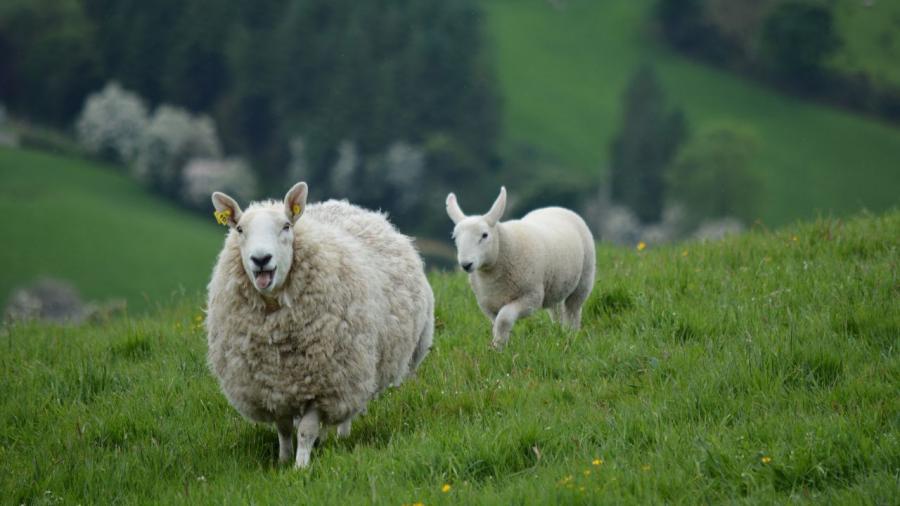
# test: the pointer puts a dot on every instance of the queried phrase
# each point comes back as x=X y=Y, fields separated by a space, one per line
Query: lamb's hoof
x=498 y=345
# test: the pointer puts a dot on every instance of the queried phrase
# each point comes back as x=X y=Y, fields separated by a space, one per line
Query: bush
x=172 y=138
x=712 y=176
x=112 y=123
x=202 y=176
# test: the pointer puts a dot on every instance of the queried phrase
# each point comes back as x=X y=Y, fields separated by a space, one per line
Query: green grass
x=562 y=74
x=76 y=220
x=763 y=369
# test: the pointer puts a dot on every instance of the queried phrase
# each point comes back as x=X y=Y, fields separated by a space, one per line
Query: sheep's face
x=476 y=237
x=265 y=234
x=266 y=237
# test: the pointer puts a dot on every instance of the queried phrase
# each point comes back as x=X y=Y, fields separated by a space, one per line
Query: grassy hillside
x=762 y=369
x=72 y=219
x=562 y=73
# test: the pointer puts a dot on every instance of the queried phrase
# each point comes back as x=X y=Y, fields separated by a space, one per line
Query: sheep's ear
x=295 y=201
x=453 y=210
x=493 y=216
x=228 y=212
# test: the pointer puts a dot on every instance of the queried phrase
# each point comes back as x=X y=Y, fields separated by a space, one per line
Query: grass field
x=73 y=219
x=562 y=73
x=763 y=369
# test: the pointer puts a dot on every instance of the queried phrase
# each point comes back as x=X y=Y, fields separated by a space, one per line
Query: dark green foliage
x=48 y=60
x=645 y=145
x=372 y=73
x=712 y=176
x=796 y=40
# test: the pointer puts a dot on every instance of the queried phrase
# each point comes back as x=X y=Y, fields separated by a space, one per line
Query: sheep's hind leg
x=285 y=439
x=572 y=306
x=343 y=430
x=307 y=433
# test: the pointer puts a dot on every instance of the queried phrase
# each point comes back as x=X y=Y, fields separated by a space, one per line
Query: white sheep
x=544 y=260
x=312 y=311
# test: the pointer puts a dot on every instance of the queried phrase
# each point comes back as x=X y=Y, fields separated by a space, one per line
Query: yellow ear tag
x=222 y=216
x=296 y=209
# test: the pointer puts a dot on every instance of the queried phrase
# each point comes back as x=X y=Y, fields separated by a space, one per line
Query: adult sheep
x=312 y=311
x=544 y=260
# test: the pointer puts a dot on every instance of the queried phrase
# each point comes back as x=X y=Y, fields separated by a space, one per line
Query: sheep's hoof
x=498 y=345
x=343 y=429
x=302 y=460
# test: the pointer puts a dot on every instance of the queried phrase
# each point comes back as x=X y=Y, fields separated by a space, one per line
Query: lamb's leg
x=557 y=314
x=574 y=302
x=307 y=433
x=507 y=317
x=285 y=439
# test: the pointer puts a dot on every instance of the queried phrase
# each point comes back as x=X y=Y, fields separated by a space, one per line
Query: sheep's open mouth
x=264 y=278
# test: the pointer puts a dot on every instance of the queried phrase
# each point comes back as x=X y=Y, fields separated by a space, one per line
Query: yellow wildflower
x=296 y=209
x=446 y=488
x=684 y=253
x=418 y=504
x=597 y=462
x=766 y=459
x=222 y=216
x=641 y=246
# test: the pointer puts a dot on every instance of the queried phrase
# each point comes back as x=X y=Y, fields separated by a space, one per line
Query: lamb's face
x=477 y=244
x=477 y=241
x=266 y=237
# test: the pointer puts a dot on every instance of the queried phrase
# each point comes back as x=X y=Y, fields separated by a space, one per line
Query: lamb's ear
x=493 y=216
x=453 y=210
x=295 y=201
x=228 y=212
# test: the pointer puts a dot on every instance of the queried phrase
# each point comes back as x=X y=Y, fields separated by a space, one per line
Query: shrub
x=202 y=176
x=112 y=123
x=172 y=138
x=712 y=177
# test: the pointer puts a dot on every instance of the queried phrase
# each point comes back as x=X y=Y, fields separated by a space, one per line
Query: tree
x=645 y=145
x=712 y=176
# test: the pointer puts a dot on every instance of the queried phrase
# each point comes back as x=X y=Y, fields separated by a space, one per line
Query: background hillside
x=760 y=369
x=88 y=223
x=562 y=72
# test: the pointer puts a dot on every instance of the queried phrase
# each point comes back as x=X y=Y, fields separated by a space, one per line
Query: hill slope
x=762 y=369
x=75 y=220
x=562 y=73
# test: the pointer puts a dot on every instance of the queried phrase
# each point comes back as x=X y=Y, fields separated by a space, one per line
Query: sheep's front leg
x=285 y=439
x=307 y=433
x=507 y=317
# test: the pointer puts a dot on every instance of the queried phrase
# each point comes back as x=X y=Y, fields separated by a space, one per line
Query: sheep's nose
x=261 y=261
x=467 y=266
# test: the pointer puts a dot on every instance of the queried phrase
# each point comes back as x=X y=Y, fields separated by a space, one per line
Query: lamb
x=544 y=260
x=312 y=312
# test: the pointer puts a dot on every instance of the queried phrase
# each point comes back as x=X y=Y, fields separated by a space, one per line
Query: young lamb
x=544 y=260
x=312 y=311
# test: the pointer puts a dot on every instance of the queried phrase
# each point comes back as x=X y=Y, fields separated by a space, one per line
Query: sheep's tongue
x=263 y=279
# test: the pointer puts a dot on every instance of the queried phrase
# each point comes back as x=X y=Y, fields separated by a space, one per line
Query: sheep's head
x=477 y=243
x=265 y=234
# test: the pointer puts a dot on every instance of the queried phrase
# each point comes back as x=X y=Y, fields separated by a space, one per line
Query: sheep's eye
x=286 y=227
x=484 y=235
x=240 y=230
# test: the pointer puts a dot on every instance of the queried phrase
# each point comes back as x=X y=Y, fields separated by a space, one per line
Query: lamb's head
x=477 y=241
x=265 y=232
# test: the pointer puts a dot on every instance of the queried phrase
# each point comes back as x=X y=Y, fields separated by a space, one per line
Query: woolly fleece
x=356 y=315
